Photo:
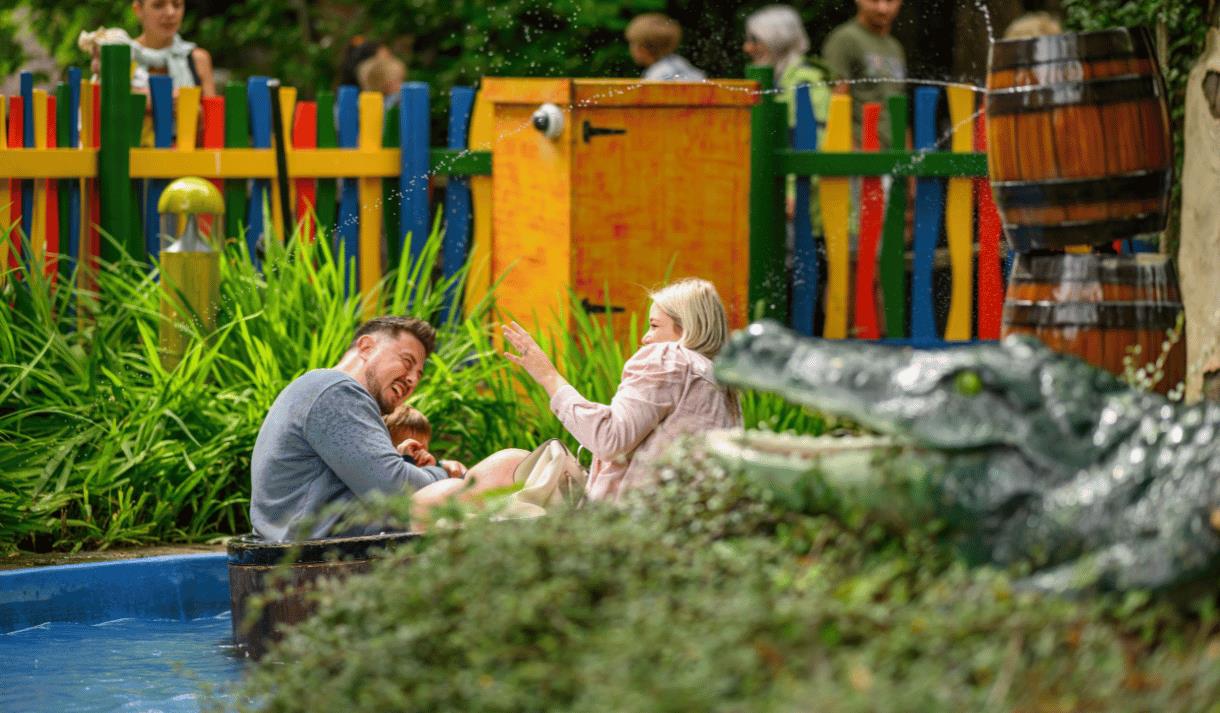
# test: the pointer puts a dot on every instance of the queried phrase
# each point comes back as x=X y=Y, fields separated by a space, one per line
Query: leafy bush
x=704 y=596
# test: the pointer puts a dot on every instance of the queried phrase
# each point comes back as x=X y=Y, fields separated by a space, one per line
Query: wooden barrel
x=286 y=572
x=1098 y=307
x=1079 y=148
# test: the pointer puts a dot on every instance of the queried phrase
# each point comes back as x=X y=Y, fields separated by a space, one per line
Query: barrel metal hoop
x=1094 y=92
x=249 y=550
x=1101 y=315
x=1116 y=43
x=1141 y=270
x=1032 y=237
x=1069 y=191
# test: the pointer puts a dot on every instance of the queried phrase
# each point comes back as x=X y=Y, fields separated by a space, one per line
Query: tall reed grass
x=102 y=446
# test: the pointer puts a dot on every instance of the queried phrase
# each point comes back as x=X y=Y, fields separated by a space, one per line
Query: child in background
x=411 y=434
x=653 y=40
x=158 y=49
x=385 y=73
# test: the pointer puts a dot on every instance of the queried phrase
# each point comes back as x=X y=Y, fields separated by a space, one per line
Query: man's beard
x=376 y=391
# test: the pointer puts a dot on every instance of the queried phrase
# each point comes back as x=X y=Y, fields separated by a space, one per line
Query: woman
x=776 y=37
x=667 y=389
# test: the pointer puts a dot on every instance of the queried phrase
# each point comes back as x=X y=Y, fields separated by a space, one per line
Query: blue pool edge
x=175 y=587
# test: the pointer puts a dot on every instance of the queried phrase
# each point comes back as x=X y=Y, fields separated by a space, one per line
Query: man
x=324 y=442
x=863 y=48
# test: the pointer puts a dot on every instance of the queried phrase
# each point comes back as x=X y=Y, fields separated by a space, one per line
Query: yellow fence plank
x=38 y=221
x=959 y=219
x=372 y=106
x=188 y=118
x=478 y=279
x=48 y=163
x=835 y=203
x=260 y=163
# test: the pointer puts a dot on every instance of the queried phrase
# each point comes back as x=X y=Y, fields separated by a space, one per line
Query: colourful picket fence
x=873 y=294
x=62 y=188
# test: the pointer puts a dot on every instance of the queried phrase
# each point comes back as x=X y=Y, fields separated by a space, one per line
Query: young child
x=653 y=39
x=411 y=434
x=385 y=73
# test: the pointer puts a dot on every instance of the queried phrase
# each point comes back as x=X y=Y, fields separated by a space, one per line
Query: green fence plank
x=328 y=189
x=768 y=133
x=460 y=162
x=893 y=267
x=114 y=157
x=391 y=198
x=883 y=163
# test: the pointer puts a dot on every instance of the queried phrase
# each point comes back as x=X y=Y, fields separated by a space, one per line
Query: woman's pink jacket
x=667 y=391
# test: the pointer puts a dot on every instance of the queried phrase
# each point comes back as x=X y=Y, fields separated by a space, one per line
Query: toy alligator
x=1040 y=458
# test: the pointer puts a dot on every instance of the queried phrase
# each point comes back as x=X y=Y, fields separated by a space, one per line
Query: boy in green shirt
x=863 y=48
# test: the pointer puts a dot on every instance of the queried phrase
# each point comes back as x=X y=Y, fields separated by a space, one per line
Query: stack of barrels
x=1080 y=157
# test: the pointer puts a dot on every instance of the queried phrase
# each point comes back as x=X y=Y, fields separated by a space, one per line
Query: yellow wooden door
x=660 y=191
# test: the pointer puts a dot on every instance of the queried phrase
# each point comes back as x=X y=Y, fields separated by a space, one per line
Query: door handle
x=588 y=131
x=591 y=308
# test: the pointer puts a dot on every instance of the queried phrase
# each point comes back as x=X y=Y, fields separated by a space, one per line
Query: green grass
x=101 y=446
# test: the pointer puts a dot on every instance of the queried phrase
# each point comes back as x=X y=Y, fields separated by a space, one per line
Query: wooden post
x=236 y=137
x=768 y=291
x=893 y=241
x=456 y=243
x=414 y=133
x=959 y=226
x=872 y=197
x=305 y=137
x=836 y=204
x=372 y=107
x=929 y=208
x=804 y=250
x=327 y=188
x=391 y=220
x=990 y=282
x=114 y=158
x=349 y=202
x=259 y=98
x=161 y=90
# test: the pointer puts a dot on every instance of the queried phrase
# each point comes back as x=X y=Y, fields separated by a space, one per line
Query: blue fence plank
x=414 y=131
x=258 y=98
x=27 y=138
x=74 y=218
x=348 y=228
x=804 y=251
x=161 y=89
x=456 y=242
x=929 y=209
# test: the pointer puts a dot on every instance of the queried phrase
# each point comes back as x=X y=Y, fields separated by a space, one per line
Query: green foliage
x=99 y=445
x=703 y=596
x=1185 y=27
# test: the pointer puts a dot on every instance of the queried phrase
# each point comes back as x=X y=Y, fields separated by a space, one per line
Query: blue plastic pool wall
x=178 y=587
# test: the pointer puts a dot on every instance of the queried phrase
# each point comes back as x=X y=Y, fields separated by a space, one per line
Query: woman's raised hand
x=530 y=357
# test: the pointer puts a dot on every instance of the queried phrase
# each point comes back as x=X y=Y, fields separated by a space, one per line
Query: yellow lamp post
x=190 y=268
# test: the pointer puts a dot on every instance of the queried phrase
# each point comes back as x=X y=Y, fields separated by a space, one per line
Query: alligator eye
x=968 y=383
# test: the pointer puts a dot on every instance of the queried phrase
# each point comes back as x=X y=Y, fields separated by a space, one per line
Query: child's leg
x=494 y=471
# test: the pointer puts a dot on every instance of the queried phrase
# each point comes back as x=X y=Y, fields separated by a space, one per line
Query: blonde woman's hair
x=696 y=309
x=1033 y=24
x=780 y=30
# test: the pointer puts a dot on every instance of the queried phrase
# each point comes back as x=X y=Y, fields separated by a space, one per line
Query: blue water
x=122 y=665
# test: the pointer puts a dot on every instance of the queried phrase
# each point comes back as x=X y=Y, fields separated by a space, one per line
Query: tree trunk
x=1199 y=255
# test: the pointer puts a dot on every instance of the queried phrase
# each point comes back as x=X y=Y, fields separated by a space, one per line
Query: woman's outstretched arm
x=652 y=380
